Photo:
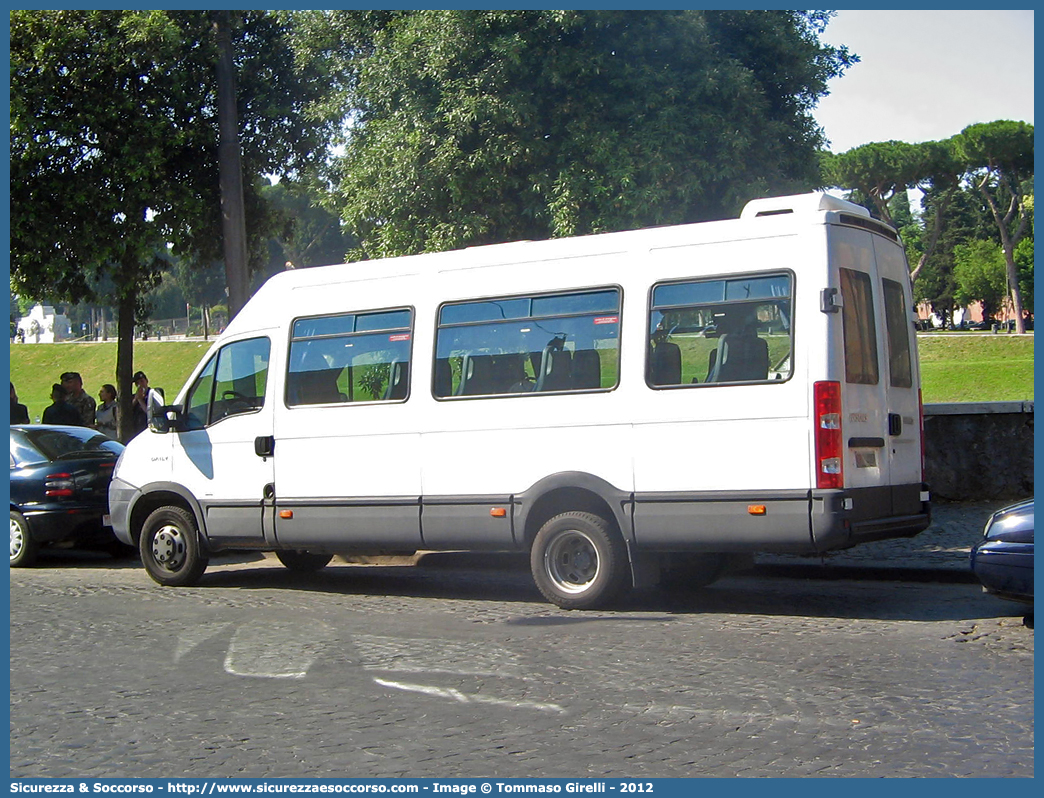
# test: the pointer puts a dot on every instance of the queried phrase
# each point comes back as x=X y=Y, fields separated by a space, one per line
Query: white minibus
x=619 y=406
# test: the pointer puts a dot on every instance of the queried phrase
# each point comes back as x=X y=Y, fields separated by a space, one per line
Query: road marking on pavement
x=425 y=655
x=276 y=649
x=464 y=698
x=191 y=638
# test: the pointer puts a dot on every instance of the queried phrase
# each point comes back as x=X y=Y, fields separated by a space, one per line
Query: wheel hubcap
x=168 y=547
x=17 y=541
x=572 y=562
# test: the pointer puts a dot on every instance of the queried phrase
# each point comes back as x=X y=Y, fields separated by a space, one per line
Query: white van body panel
x=681 y=465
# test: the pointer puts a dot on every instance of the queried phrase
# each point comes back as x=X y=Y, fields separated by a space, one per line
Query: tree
x=879 y=170
x=956 y=215
x=114 y=140
x=999 y=157
x=979 y=272
x=883 y=171
x=308 y=235
x=472 y=127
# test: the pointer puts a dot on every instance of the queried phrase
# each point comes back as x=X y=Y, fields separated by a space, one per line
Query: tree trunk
x=233 y=217
x=1013 y=283
x=125 y=363
x=1008 y=243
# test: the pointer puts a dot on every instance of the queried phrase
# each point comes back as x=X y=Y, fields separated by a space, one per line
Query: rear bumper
x=68 y=524
x=845 y=518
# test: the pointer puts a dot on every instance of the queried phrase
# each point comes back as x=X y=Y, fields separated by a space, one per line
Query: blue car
x=1003 y=559
x=59 y=489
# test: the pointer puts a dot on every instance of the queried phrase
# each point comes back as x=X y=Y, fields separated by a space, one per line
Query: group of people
x=71 y=405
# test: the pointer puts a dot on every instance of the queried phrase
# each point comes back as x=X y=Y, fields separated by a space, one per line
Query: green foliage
x=473 y=127
x=999 y=159
x=308 y=235
x=114 y=146
x=882 y=171
x=979 y=272
x=1024 y=263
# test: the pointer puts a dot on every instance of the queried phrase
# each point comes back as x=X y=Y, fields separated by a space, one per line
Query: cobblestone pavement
x=453 y=670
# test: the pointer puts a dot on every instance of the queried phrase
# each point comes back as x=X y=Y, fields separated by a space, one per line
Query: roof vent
x=800 y=203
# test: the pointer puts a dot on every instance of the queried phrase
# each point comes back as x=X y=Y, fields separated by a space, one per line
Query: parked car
x=59 y=489
x=1003 y=559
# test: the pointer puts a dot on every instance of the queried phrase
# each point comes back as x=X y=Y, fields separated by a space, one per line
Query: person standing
x=106 y=416
x=140 y=404
x=79 y=398
x=60 y=411
x=19 y=412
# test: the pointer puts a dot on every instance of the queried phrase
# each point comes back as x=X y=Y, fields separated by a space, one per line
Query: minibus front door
x=226 y=411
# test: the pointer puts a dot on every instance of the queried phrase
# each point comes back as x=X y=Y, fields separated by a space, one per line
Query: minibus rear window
x=860 y=328
x=728 y=330
x=898 y=324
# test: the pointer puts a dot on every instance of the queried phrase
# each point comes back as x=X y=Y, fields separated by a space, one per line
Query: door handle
x=895 y=424
x=264 y=445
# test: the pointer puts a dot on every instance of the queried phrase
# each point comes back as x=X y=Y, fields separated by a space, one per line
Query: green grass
x=954 y=368
x=976 y=368
x=36 y=367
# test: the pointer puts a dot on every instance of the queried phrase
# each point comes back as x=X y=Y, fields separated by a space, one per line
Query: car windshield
x=56 y=444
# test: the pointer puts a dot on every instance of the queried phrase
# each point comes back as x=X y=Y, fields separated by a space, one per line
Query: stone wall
x=978 y=451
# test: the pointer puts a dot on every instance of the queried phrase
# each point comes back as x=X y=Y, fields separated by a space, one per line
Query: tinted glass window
x=490 y=310
x=232 y=383
x=197 y=405
x=898 y=324
x=720 y=331
x=365 y=361
x=538 y=344
x=860 y=328
x=65 y=444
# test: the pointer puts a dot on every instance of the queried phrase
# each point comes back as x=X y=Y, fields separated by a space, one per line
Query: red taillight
x=61 y=484
x=830 y=472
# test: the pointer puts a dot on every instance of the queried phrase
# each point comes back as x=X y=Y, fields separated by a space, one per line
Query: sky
x=926 y=75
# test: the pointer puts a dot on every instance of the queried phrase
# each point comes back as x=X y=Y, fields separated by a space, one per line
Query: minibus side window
x=534 y=344
x=897 y=323
x=860 y=328
x=722 y=330
x=350 y=357
x=233 y=382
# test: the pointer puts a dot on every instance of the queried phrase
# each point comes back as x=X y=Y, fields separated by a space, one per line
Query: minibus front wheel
x=170 y=548
x=578 y=561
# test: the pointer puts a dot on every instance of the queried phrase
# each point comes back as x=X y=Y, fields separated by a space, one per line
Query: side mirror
x=161 y=417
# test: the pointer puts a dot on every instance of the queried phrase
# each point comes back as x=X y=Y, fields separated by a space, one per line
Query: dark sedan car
x=59 y=489
x=1003 y=559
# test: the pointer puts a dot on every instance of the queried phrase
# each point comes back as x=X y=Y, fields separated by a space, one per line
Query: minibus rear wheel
x=170 y=549
x=303 y=561
x=579 y=561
